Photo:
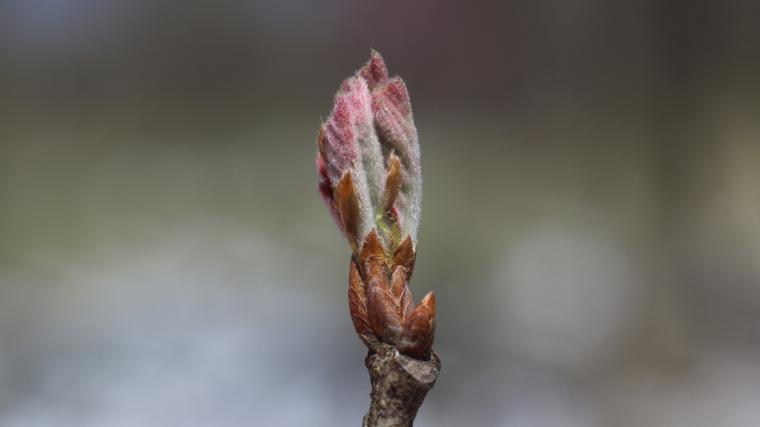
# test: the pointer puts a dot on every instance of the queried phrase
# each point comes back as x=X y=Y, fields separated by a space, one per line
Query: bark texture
x=399 y=385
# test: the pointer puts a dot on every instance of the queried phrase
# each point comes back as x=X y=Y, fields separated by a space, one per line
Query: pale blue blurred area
x=591 y=219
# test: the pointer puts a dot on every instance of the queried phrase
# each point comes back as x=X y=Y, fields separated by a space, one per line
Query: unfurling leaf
x=393 y=119
x=370 y=134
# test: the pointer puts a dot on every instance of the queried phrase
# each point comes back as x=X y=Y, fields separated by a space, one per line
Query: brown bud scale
x=381 y=303
x=347 y=206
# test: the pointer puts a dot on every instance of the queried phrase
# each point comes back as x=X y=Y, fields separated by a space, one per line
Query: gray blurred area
x=591 y=218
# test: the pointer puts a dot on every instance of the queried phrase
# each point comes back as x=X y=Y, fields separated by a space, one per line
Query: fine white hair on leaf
x=392 y=111
x=351 y=144
x=372 y=118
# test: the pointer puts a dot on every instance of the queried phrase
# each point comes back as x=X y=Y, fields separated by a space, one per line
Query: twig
x=399 y=385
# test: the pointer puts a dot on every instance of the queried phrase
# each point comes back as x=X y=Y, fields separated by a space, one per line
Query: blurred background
x=591 y=218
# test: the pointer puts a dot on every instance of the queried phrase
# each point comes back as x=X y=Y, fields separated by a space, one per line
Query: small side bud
x=428 y=301
x=419 y=328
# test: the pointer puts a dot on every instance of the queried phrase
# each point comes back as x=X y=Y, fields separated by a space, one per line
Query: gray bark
x=399 y=385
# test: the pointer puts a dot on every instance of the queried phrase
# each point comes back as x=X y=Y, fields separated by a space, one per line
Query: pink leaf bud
x=370 y=135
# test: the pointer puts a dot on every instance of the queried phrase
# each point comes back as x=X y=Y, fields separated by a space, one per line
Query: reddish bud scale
x=419 y=327
x=347 y=205
x=381 y=303
x=357 y=303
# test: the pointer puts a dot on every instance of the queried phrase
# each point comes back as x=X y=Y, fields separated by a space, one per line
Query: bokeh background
x=591 y=217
